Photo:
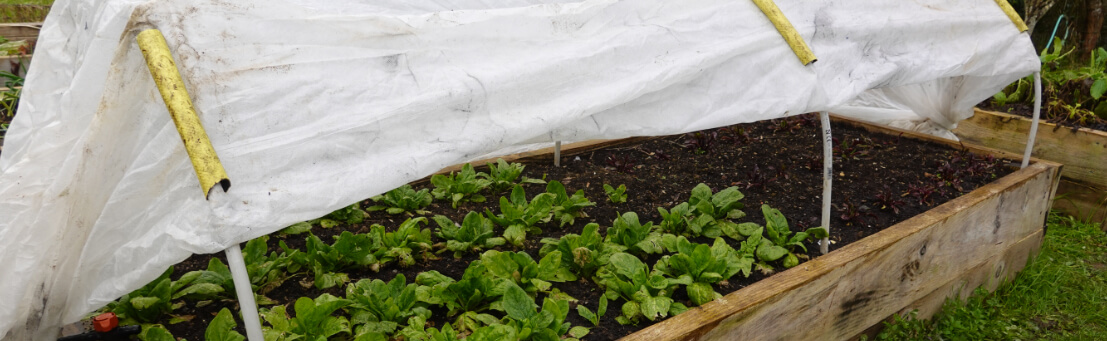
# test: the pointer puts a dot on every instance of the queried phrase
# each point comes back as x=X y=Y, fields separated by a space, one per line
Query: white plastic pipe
x=557 y=154
x=1034 y=122
x=828 y=176
x=246 y=304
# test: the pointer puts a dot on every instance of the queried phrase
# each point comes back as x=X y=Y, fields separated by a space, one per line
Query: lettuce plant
x=780 y=243
x=350 y=215
x=615 y=195
x=400 y=244
x=266 y=272
x=474 y=234
x=149 y=303
x=325 y=260
x=584 y=254
x=519 y=217
x=476 y=292
x=458 y=187
x=221 y=328
x=314 y=320
x=521 y=269
x=504 y=175
x=531 y=324
x=567 y=208
x=700 y=266
x=379 y=307
x=675 y=220
x=593 y=317
x=402 y=200
x=634 y=237
x=647 y=294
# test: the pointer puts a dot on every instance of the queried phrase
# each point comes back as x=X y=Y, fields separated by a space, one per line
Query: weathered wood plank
x=1083 y=151
x=1082 y=201
x=20 y=31
x=990 y=274
x=841 y=294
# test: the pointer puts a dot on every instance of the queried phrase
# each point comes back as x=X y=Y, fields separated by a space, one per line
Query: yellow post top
x=1010 y=11
x=168 y=79
x=791 y=36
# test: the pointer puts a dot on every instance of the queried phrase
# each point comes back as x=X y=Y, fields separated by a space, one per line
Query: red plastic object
x=105 y=322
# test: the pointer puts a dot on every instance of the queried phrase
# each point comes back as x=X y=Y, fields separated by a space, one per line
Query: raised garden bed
x=911 y=226
x=1083 y=151
x=25 y=31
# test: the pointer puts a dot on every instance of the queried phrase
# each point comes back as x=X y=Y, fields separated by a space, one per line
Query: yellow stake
x=1010 y=11
x=168 y=79
x=787 y=31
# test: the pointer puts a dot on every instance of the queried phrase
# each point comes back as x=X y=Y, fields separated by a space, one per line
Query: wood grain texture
x=20 y=31
x=1082 y=201
x=1083 y=151
x=1083 y=193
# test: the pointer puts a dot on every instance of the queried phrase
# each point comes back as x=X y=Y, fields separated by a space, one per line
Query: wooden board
x=1082 y=201
x=1083 y=151
x=20 y=31
x=979 y=238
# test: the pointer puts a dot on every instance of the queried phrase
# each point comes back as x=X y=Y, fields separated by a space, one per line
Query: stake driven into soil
x=205 y=162
x=828 y=178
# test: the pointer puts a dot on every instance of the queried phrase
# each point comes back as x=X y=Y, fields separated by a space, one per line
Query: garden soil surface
x=879 y=180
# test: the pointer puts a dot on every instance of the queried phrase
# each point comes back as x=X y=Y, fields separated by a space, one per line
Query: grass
x=1061 y=295
x=27 y=2
x=15 y=11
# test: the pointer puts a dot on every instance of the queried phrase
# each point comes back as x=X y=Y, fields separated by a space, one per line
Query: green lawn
x=1061 y=295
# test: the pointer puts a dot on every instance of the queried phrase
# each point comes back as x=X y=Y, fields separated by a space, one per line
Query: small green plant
x=155 y=332
x=351 y=215
x=519 y=217
x=149 y=303
x=381 y=308
x=472 y=295
x=504 y=175
x=9 y=98
x=647 y=294
x=267 y=271
x=530 y=323
x=402 y=200
x=522 y=270
x=399 y=245
x=221 y=328
x=474 y=234
x=314 y=319
x=567 y=208
x=699 y=266
x=593 y=317
x=616 y=195
x=780 y=242
x=633 y=236
x=459 y=187
x=584 y=253
x=325 y=260
x=705 y=214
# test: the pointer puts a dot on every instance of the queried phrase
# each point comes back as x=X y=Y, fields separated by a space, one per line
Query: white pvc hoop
x=828 y=175
x=1034 y=122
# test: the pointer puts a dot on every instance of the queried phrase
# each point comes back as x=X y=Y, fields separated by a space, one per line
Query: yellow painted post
x=1010 y=11
x=168 y=79
x=791 y=36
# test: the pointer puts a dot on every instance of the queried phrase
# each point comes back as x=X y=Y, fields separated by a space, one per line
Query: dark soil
x=1046 y=114
x=773 y=162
